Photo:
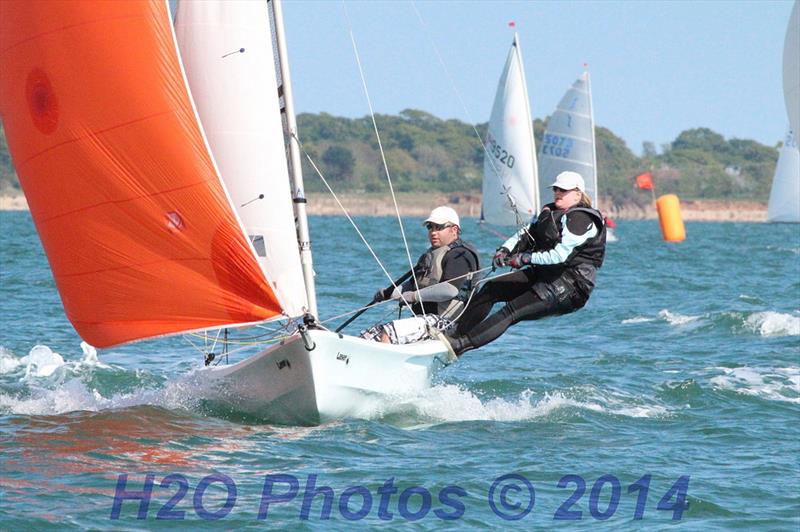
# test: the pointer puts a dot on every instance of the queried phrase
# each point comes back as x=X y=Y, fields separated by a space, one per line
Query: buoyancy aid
x=579 y=270
x=547 y=231
x=430 y=268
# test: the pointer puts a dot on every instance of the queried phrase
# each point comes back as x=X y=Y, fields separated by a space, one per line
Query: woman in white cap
x=448 y=259
x=556 y=259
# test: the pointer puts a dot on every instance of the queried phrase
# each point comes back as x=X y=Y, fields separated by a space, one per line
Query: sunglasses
x=430 y=226
x=564 y=191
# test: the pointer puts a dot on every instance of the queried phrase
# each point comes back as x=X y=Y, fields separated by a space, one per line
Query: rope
x=380 y=147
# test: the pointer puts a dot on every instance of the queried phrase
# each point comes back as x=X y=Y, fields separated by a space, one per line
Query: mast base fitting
x=308 y=323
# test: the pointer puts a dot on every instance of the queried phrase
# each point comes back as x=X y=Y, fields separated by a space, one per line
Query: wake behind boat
x=157 y=225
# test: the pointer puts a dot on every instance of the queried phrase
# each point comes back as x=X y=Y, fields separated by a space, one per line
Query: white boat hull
x=341 y=376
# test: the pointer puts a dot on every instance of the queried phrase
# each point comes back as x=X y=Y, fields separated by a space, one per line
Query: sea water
x=671 y=399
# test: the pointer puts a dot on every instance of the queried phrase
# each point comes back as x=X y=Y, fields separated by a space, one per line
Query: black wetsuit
x=559 y=281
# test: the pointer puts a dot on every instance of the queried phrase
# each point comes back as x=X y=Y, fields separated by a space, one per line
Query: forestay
x=136 y=224
x=510 y=192
x=229 y=60
x=568 y=142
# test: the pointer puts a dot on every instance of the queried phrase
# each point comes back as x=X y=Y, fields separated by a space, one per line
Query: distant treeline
x=425 y=153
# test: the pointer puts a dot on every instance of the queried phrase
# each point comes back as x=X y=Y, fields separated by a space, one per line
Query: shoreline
x=419 y=204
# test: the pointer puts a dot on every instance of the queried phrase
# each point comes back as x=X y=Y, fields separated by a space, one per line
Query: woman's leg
x=526 y=306
x=504 y=288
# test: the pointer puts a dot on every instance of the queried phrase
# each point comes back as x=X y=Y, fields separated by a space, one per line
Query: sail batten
x=136 y=225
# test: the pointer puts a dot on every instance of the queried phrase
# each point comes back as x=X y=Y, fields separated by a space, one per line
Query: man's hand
x=500 y=258
x=380 y=295
x=520 y=260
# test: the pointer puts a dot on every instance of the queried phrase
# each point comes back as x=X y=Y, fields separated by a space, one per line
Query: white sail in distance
x=568 y=142
x=227 y=52
x=510 y=191
x=784 y=197
x=791 y=68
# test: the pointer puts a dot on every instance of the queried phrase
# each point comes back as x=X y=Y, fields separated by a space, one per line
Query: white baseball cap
x=569 y=181
x=443 y=215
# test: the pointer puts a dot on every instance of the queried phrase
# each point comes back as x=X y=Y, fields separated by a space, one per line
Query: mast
x=594 y=147
x=303 y=237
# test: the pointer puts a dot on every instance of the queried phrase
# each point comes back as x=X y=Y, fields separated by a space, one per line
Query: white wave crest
x=673 y=318
x=43 y=362
x=773 y=324
x=637 y=319
x=452 y=403
x=775 y=384
x=73 y=395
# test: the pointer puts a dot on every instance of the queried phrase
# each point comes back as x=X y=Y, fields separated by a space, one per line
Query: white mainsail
x=227 y=52
x=784 y=198
x=510 y=192
x=791 y=68
x=568 y=142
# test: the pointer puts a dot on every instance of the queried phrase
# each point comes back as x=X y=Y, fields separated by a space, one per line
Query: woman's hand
x=500 y=257
x=520 y=260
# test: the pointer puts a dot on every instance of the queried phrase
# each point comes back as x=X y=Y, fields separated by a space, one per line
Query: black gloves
x=500 y=257
x=520 y=260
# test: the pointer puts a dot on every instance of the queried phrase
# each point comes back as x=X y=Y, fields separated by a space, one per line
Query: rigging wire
x=352 y=222
x=379 y=303
x=487 y=155
x=380 y=145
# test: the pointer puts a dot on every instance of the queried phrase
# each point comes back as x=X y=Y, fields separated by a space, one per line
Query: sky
x=657 y=67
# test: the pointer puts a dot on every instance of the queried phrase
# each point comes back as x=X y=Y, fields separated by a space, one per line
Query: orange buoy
x=669 y=216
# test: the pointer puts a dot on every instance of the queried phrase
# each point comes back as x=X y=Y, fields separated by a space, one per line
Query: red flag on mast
x=645 y=181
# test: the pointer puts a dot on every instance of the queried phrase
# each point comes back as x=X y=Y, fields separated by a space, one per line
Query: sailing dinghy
x=510 y=191
x=156 y=225
x=784 y=197
x=568 y=143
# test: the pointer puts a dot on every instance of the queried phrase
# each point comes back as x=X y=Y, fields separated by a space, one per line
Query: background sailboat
x=144 y=236
x=510 y=190
x=791 y=68
x=569 y=142
x=784 y=197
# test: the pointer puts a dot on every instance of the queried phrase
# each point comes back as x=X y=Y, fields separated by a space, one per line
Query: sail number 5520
x=499 y=153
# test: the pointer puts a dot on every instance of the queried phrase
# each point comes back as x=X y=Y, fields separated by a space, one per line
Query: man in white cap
x=443 y=274
x=556 y=259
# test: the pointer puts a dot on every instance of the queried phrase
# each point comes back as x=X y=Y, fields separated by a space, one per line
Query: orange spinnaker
x=138 y=230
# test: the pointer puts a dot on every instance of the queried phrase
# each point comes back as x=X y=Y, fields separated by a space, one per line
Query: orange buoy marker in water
x=669 y=216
